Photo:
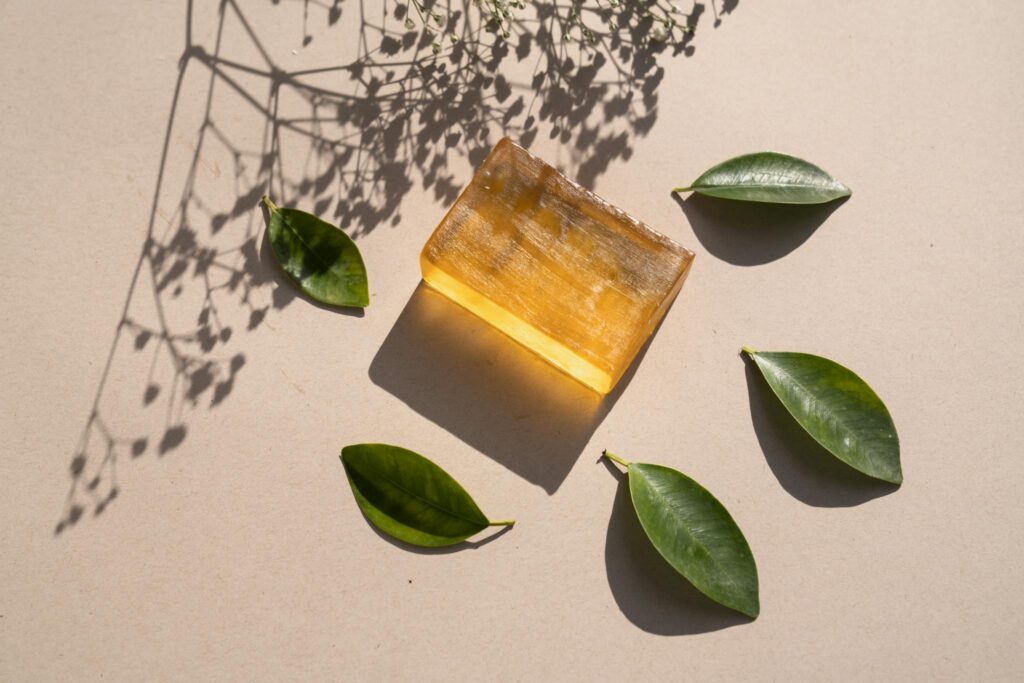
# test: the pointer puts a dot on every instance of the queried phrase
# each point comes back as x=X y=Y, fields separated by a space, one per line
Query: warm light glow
x=556 y=268
x=557 y=354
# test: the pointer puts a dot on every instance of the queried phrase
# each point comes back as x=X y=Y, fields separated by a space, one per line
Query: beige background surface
x=219 y=540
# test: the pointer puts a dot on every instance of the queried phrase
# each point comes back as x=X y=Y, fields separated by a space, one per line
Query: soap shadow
x=650 y=593
x=752 y=233
x=803 y=467
x=285 y=290
x=464 y=375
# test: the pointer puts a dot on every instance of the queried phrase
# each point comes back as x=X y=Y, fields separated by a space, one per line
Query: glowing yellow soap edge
x=533 y=339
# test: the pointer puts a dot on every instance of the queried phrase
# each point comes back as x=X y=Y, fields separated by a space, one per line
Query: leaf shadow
x=445 y=550
x=805 y=469
x=752 y=233
x=464 y=375
x=285 y=289
x=648 y=591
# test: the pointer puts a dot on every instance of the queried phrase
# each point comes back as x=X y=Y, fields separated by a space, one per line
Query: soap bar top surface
x=554 y=266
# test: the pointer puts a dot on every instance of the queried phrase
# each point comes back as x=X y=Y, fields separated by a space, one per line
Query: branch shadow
x=464 y=375
x=650 y=593
x=752 y=233
x=803 y=467
x=439 y=82
x=350 y=141
x=191 y=295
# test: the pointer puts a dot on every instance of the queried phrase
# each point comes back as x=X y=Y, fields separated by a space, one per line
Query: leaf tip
x=747 y=350
x=748 y=604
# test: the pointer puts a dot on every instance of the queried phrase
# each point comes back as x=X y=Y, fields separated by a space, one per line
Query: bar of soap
x=558 y=269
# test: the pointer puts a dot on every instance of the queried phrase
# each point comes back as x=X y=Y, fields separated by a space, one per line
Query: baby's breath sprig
x=668 y=22
x=436 y=24
x=497 y=18
x=498 y=15
x=666 y=17
x=574 y=27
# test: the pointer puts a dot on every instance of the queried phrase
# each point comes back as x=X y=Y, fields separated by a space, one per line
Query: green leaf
x=695 y=534
x=410 y=498
x=319 y=257
x=837 y=408
x=769 y=177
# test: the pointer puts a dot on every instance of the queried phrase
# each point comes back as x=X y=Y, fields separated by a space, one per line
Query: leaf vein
x=808 y=395
x=308 y=247
x=747 y=186
x=413 y=494
x=667 y=503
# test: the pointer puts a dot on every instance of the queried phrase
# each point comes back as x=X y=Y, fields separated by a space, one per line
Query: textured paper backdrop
x=173 y=507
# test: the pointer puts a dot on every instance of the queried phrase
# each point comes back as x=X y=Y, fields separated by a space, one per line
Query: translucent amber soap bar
x=575 y=280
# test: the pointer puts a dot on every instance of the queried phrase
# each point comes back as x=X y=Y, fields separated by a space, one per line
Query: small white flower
x=659 y=33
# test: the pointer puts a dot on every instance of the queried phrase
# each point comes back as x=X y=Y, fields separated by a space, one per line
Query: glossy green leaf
x=410 y=498
x=769 y=177
x=695 y=534
x=837 y=408
x=318 y=257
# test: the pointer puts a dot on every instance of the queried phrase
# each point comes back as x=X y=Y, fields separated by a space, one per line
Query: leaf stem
x=747 y=350
x=270 y=205
x=682 y=189
x=611 y=456
x=502 y=522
